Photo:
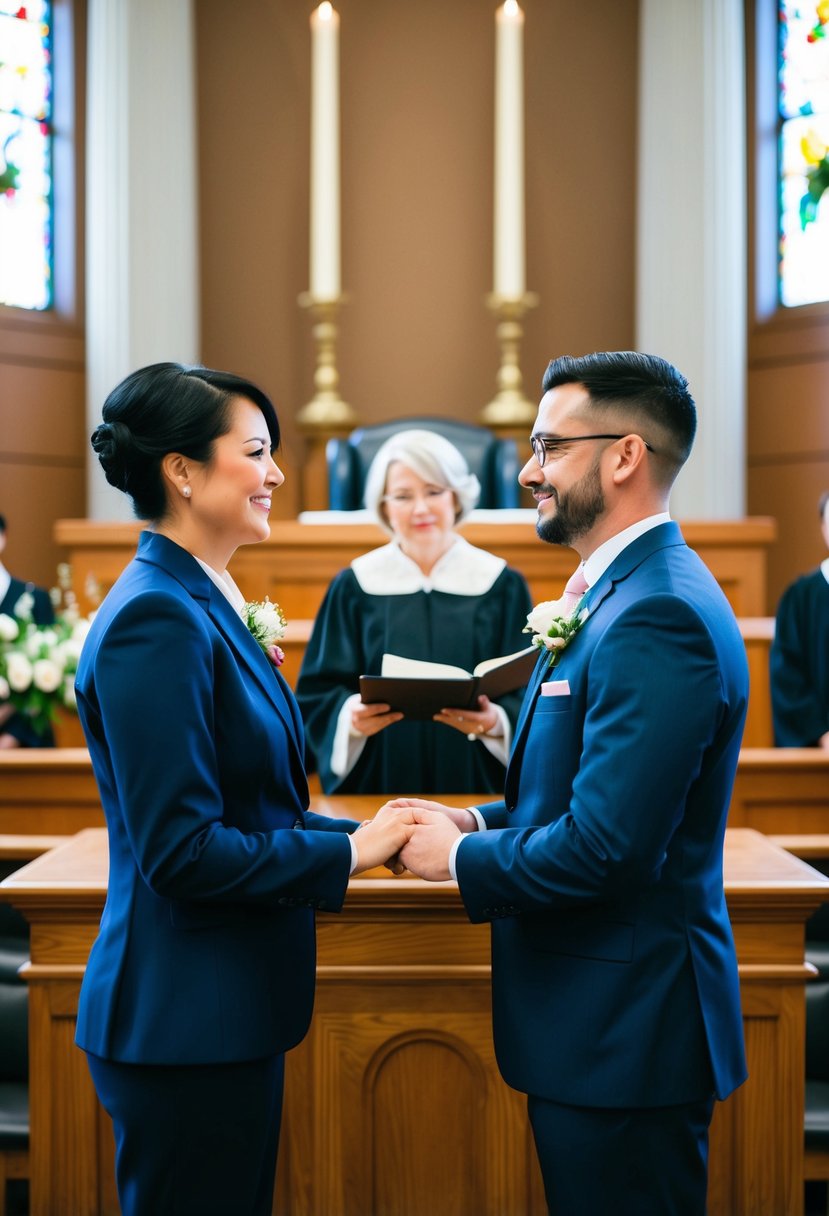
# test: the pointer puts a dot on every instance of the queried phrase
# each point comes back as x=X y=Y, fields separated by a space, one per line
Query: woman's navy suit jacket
x=206 y=950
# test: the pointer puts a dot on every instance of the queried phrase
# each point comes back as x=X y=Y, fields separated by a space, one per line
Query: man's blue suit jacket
x=614 y=971
x=206 y=951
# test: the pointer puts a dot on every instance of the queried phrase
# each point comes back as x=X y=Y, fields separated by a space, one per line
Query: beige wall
x=417 y=166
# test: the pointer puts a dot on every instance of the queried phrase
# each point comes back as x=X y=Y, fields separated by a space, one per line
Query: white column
x=141 y=203
x=691 y=262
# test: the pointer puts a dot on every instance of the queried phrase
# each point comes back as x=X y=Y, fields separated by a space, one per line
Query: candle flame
x=511 y=8
x=326 y=11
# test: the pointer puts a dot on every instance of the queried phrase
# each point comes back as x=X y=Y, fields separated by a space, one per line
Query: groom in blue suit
x=616 y=1002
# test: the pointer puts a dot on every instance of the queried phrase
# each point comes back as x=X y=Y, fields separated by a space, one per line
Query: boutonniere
x=555 y=623
x=266 y=622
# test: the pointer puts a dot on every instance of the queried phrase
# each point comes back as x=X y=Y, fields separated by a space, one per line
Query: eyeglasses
x=548 y=447
x=430 y=495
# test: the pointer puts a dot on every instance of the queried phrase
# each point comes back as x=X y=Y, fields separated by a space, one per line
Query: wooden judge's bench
x=393 y=1103
x=295 y=566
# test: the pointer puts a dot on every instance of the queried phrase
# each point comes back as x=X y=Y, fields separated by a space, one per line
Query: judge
x=428 y=594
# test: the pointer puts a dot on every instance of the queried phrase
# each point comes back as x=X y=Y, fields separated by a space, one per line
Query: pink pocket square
x=556 y=688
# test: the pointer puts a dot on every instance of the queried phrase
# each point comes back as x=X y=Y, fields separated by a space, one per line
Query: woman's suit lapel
x=160 y=551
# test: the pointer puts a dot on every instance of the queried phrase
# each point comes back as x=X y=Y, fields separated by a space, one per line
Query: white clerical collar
x=225 y=584
x=601 y=558
x=461 y=570
x=824 y=569
x=5 y=582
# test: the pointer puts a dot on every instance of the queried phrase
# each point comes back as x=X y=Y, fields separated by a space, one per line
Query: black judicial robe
x=353 y=630
x=799 y=663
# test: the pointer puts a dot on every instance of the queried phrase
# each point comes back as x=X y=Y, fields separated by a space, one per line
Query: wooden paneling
x=776 y=790
x=758 y=633
x=781 y=790
x=393 y=1100
x=297 y=563
x=47 y=792
x=791 y=489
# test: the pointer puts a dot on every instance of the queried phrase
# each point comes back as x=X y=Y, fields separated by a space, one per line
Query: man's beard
x=577 y=510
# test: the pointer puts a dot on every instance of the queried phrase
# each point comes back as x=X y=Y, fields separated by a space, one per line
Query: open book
x=419 y=689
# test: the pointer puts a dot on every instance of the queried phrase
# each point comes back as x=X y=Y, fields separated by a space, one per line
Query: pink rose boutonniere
x=267 y=623
x=555 y=623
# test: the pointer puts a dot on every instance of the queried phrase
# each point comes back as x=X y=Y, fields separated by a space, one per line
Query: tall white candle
x=509 y=264
x=325 y=154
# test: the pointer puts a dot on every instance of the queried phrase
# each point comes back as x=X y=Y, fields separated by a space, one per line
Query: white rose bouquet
x=38 y=662
x=555 y=623
x=266 y=621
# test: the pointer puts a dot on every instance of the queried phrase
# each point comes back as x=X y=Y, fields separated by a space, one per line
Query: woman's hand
x=371 y=719
x=379 y=840
x=463 y=819
x=480 y=721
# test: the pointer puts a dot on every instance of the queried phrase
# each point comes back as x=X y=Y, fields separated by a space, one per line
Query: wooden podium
x=393 y=1101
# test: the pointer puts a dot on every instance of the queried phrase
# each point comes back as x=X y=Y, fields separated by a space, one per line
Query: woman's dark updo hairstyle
x=167 y=407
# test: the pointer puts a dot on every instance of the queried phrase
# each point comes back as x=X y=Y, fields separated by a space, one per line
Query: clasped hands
x=412 y=834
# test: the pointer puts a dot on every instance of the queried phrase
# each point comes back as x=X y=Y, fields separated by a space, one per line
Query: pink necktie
x=575 y=589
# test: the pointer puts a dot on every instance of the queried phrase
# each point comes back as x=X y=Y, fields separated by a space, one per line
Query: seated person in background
x=799 y=658
x=428 y=594
x=15 y=731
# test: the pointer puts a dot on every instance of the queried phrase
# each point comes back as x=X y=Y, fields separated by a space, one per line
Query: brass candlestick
x=326 y=410
x=510 y=408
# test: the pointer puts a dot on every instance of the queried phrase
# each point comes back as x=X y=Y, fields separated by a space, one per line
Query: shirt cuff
x=353 y=844
x=347 y=748
x=498 y=744
x=478 y=817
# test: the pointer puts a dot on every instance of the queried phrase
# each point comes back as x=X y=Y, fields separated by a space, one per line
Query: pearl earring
x=186 y=491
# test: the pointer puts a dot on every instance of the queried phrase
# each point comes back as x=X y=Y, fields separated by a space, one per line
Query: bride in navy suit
x=202 y=974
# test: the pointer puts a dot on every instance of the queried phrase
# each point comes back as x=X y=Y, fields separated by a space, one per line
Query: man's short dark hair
x=645 y=390
x=821 y=506
x=2 y=523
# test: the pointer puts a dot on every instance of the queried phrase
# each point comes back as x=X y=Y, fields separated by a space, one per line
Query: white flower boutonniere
x=555 y=623
x=38 y=662
x=266 y=622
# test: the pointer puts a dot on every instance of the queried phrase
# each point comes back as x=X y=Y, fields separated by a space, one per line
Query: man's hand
x=379 y=840
x=463 y=819
x=430 y=843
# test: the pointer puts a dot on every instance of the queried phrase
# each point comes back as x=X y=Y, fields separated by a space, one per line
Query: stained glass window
x=803 y=94
x=25 y=155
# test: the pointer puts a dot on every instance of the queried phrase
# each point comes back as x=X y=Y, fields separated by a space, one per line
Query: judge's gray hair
x=434 y=459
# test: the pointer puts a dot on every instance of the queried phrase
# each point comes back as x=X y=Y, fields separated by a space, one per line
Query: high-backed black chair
x=494 y=461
